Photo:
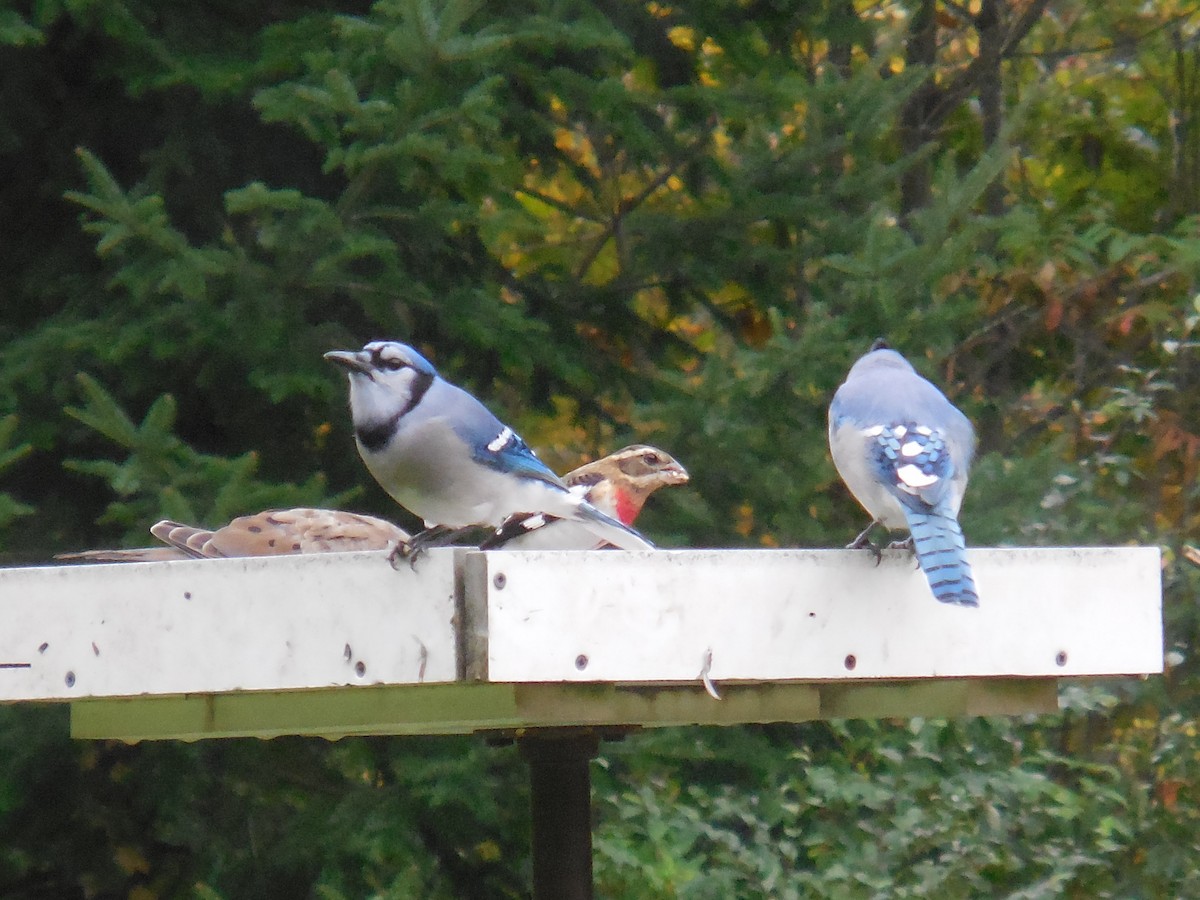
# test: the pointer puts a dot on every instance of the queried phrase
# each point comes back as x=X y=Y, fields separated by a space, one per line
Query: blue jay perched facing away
x=441 y=455
x=904 y=450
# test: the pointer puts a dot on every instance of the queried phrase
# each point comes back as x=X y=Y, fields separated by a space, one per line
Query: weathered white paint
x=282 y=624
x=809 y=614
x=207 y=626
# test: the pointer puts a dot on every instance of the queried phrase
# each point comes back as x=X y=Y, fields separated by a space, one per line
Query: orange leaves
x=561 y=436
x=754 y=326
x=1068 y=298
x=743 y=524
x=321 y=434
x=489 y=851
x=577 y=147
x=575 y=206
x=1124 y=323
x=682 y=37
x=1167 y=793
x=1179 y=449
x=1172 y=437
x=1045 y=278
x=131 y=860
x=1053 y=314
x=1122 y=285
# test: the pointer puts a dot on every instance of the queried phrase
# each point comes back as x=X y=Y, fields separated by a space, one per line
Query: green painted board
x=465 y=708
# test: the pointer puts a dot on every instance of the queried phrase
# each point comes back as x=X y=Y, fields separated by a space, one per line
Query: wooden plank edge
x=464 y=709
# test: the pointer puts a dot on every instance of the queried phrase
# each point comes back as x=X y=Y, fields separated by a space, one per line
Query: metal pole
x=561 y=806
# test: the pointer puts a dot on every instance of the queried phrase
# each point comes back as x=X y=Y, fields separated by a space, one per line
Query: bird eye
x=392 y=363
x=651 y=459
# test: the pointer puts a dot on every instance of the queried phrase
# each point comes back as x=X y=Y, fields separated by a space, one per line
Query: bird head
x=880 y=357
x=620 y=482
x=648 y=468
x=387 y=379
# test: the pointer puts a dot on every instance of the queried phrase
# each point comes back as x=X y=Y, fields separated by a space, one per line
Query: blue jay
x=441 y=455
x=617 y=485
x=904 y=451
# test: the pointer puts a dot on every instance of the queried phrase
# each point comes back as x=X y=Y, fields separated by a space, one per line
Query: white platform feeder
x=563 y=644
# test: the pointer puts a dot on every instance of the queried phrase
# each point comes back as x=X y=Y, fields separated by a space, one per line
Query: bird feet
x=436 y=536
x=409 y=551
x=907 y=544
x=403 y=550
x=863 y=542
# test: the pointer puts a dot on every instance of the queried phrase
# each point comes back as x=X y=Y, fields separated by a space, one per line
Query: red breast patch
x=627 y=508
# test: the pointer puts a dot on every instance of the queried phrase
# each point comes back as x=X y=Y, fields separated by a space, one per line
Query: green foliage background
x=613 y=221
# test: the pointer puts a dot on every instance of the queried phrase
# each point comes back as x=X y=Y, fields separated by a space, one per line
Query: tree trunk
x=921 y=50
x=991 y=88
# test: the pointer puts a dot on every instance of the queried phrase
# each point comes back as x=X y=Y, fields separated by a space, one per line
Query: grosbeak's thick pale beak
x=676 y=474
x=351 y=360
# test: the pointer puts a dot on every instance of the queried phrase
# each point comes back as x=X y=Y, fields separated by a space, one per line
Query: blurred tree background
x=668 y=222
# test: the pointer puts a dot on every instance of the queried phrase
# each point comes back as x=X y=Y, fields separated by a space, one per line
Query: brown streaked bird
x=275 y=532
x=617 y=484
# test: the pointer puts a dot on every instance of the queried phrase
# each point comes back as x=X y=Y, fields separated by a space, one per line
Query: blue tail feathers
x=942 y=553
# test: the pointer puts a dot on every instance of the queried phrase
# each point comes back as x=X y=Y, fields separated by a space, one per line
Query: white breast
x=429 y=471
x=851 y=449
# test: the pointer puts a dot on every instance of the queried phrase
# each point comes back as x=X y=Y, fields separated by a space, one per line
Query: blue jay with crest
x=904 y=451
x=444 y=457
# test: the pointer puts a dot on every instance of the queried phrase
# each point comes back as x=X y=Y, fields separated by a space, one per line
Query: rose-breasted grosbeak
x=617 y=484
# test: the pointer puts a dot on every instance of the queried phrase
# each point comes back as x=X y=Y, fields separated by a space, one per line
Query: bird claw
x=416 y=546
x=434 y=536
x=404 y=552
x=862 y=542
x=908 y=545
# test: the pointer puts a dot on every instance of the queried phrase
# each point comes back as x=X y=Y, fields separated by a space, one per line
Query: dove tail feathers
x=141 y=554
x=942 y=553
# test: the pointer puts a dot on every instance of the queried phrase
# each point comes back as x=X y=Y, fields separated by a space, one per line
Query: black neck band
x=374 y=437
